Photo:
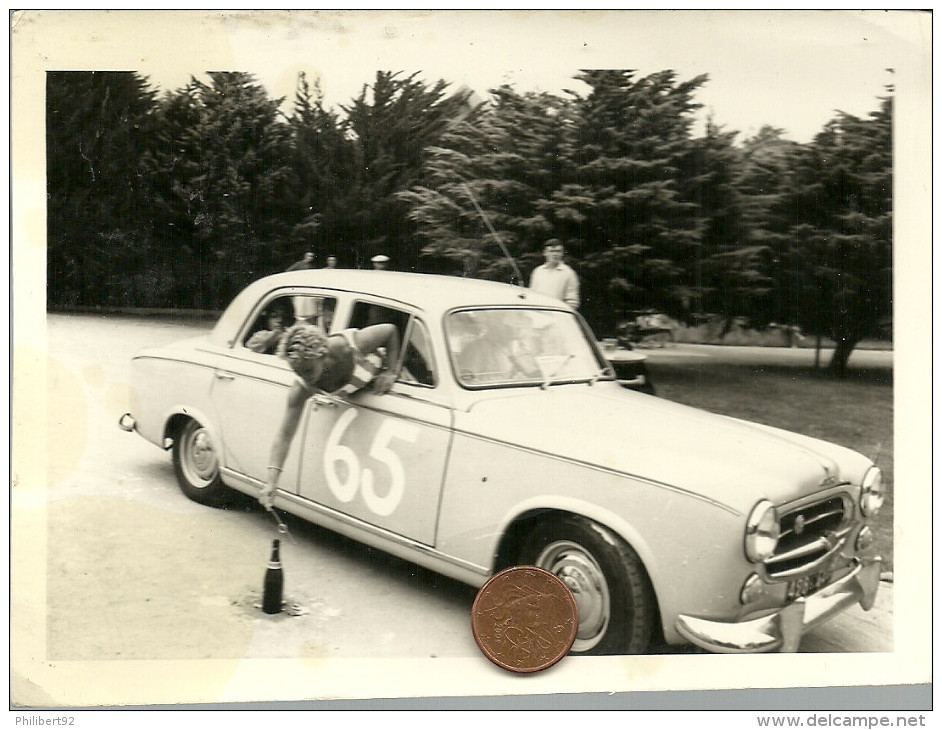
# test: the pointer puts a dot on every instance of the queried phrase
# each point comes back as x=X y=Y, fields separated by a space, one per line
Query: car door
x=380 y=460
x=250 y=390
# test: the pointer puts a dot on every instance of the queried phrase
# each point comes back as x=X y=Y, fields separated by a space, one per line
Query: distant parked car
x=631 y=369
x=648 y=329
x=508 y=440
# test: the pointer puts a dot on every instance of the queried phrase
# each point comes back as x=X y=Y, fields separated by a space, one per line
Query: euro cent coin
x=524 y=619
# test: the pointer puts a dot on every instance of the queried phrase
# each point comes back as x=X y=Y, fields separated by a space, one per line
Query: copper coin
x=524 y=619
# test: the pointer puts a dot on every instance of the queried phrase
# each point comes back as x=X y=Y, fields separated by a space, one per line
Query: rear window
x=267 y=330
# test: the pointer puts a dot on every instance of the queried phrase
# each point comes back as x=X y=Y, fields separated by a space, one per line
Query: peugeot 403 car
x=508 y=440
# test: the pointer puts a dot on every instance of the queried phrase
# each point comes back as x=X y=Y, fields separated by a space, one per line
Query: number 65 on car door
x=374 y=465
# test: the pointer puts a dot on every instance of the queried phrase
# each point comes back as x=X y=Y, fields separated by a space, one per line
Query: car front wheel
x=612 y=591
x=196 y=465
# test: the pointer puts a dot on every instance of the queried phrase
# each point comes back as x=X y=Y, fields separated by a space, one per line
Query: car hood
x=732 y=462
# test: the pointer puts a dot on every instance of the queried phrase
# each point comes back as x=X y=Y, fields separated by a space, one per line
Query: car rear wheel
x=612 y=591
x=196 y=465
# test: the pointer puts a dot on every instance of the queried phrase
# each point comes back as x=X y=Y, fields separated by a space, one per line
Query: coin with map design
x=524 y=619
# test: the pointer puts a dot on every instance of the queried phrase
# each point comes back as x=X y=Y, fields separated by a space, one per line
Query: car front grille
x=809 y=534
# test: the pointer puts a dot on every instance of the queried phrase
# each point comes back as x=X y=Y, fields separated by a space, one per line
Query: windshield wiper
x=549 y=378
x=604 y=372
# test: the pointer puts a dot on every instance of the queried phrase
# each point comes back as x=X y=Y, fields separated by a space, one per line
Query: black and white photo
x=635 y=297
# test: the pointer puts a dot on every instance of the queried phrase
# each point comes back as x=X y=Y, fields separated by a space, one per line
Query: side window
x=418 y=364
x=280 y=313
x=365 y=314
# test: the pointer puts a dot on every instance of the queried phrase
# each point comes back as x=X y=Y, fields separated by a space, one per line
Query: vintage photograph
x=371 y=354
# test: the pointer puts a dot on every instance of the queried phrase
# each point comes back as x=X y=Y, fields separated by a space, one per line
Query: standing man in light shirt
x=554 y=277
x=306 y=263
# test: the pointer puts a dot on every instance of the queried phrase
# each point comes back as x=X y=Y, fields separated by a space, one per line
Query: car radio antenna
x=497 y=238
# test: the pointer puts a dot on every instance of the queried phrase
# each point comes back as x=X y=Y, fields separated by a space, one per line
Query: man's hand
x=267 y=496
x=383 y=382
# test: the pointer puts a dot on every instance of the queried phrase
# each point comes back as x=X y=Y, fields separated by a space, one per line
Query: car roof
x=431 y=293
x=428 y=291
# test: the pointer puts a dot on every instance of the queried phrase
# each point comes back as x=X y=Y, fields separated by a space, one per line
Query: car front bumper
x=782 y=631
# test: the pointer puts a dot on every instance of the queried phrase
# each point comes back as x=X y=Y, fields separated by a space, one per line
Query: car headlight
x=762 y=532
x=871 y=492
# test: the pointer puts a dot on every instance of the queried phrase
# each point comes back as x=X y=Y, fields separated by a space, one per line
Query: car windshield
x=519 y=347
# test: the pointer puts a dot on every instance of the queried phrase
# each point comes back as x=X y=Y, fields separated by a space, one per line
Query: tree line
x=180 y=199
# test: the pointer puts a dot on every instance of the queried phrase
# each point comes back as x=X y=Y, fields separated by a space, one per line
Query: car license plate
x=807 y=584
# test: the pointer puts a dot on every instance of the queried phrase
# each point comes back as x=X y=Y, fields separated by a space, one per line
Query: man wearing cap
x=306 y=263
x=380 y=261
x=554 y=277
x=331 y=262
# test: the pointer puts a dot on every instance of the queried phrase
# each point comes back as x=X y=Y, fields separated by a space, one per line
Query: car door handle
x=225 y=376
x=322 y=399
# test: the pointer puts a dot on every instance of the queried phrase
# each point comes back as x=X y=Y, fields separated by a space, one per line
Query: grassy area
x=856 y=412
x=709 y=334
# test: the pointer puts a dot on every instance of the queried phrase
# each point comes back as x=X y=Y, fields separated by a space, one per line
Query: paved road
x=779 y=356
x=137 y=571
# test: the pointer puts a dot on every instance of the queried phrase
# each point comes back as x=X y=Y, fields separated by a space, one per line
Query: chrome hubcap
x=199 y=457
x=576 y=567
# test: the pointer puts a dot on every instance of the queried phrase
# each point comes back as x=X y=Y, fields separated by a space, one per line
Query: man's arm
x=262 y=340
x=282 y=442
x=369 y=339
x=571 y=297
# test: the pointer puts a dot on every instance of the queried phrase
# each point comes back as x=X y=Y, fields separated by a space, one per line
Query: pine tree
x=453 y=236
x=767 y=184
x=325 y=177
x=392 y=122
x=98 y=125
x=729 y=275
x=222 y=171
x=844 y=197
x=484 y=179
x=620 y=210
x=174 y=214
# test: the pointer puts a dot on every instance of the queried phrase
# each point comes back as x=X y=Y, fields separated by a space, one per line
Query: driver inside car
x=499 y=351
